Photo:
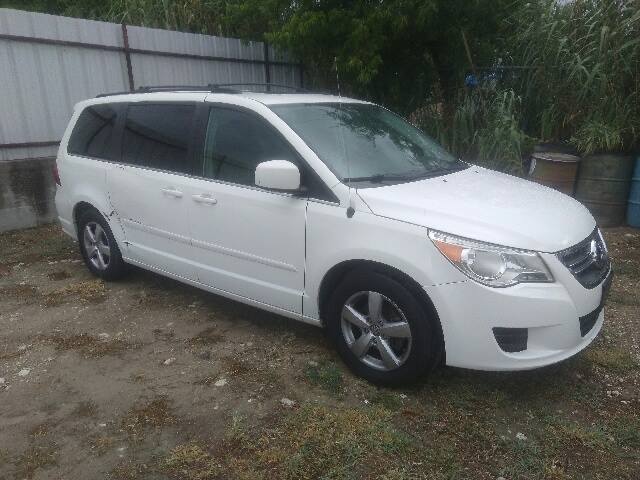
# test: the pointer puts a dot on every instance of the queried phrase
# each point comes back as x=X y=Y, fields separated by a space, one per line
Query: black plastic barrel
x=633 y=209
x=603 y=186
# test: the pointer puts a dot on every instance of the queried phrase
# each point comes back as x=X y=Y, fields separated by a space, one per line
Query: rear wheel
x=381 y=330
x=98 y=246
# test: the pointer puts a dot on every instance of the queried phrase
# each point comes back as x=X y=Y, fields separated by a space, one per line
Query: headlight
x=491 y=265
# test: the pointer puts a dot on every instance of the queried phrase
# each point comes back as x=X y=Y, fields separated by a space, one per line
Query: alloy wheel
x=96 y=245
x=376 y=330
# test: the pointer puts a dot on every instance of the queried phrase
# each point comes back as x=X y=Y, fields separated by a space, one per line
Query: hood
x=488 y=206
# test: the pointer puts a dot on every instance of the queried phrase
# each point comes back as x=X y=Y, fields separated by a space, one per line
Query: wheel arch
x=336 y=273
x=83 y=205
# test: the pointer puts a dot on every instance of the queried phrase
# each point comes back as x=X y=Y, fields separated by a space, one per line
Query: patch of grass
x=576 y=434
x=101 y=444
x=388 y=399
x=35 y=458
x=237 y=430
x=90 y=346
x=627 y=268
x=611 y=358
x=259 y=372
x=157 y=413
x=626 y=298
x=88 y=292
x=40 y=430
x=321 y=442
x=129 y=471
x=34 y=245
x=190 y=462
x=626 y=432
x=326 y=375
x=525 y=459
x=21 y=293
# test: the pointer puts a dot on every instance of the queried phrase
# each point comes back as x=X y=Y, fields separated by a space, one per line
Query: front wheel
x=381 y=330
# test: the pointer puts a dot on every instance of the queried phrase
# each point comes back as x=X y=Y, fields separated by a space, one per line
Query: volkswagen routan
x=339 y=213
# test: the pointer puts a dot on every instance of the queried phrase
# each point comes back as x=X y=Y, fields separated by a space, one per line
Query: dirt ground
x=148 y=379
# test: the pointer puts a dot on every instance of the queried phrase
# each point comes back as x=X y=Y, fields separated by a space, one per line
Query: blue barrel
x=633 y=208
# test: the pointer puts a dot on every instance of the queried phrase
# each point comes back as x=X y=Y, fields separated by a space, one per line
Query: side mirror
x=279 y=175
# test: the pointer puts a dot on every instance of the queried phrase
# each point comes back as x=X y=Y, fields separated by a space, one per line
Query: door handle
x=205 y=198
x=172 y=192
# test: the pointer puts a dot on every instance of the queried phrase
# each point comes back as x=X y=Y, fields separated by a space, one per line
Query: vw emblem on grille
x=597 y=253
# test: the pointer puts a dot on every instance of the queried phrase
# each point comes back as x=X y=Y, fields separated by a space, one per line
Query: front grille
x=589 y=320
x=588 y=261
x=511 y=339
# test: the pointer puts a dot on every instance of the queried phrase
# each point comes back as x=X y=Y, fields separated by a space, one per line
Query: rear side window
x=93 y=134
x=157 y=136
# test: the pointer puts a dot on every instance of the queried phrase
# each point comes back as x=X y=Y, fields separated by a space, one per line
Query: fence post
x=127 y=56
x=267 y=70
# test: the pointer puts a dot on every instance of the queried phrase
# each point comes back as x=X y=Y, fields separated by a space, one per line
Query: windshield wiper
x=437 y=172
x=378 y=178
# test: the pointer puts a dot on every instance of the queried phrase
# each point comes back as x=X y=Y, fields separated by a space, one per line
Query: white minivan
x=338 y=213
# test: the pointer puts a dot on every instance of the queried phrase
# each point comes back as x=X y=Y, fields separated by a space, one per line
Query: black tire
x=426 y=340
x=116 y=267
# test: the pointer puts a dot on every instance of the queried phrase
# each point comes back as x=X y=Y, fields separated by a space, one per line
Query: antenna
x=335 y=63
x=351 y=208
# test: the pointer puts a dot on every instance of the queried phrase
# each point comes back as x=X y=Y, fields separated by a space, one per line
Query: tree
x=398 y=52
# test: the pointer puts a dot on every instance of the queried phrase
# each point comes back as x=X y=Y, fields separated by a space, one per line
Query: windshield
x=367 y=144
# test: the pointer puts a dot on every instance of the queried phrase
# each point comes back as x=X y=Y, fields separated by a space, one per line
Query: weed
x=40 y=430
x=387 y=399
x=157 y=413
x=90 y=346
x=236 y=433
x=89 y=292
x=526 y=459
x=34 y=458
x=624 y=298
x=101 y=444
x=22 y=293
x=319 y=442
x=190 y=462
x=612 y=358
x=627 y=268
x=326 y=375
x=128 y=471
x=626 y=432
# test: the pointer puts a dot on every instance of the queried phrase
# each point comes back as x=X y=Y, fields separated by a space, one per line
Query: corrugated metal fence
x=48 y=63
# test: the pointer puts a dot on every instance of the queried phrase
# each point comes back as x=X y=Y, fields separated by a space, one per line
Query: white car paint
x=532 y=217
x=273 y=250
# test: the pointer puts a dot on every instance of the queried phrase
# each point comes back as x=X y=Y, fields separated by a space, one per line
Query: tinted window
x=93 y=134
x=236 y=142
x=157 y=136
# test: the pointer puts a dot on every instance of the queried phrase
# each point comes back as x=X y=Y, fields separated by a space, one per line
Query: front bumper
x=550 y=313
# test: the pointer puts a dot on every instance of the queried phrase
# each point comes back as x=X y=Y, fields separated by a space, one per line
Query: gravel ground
x=147 y=378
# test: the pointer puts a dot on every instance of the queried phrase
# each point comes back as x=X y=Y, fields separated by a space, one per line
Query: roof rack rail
x=276 y=85
x=212 y=87
x=186 y=88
